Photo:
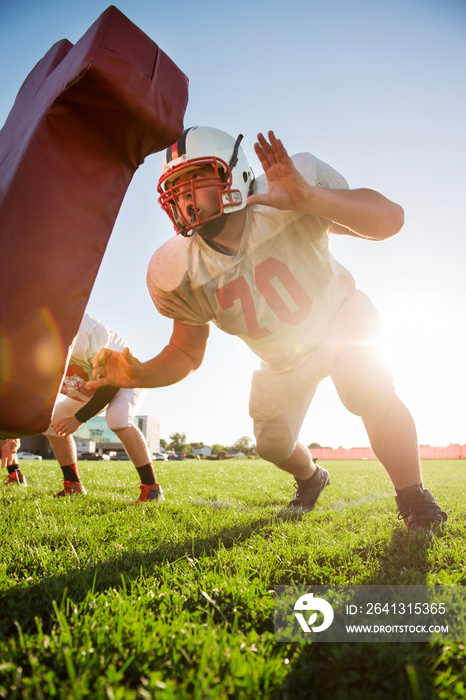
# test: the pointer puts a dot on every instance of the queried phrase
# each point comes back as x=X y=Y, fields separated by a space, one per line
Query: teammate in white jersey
x=253 y=257
x=82 y=403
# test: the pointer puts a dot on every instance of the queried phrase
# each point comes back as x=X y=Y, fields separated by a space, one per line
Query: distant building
x=150 y=428
x=38 y=445
x=96 y=436
x=204 y=451
x=97 y=431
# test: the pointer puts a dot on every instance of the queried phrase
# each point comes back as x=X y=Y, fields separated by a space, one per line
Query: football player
x=10 y=449
x=252 y=256
x=82 y=403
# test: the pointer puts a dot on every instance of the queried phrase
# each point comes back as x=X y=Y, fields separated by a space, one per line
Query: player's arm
x=102 y=397
x=364 y=212
x=182 y=356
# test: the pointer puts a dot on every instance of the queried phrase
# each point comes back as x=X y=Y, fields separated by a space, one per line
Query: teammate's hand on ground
x=9 y=448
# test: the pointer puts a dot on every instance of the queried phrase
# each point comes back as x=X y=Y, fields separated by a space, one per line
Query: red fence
x=426 y=452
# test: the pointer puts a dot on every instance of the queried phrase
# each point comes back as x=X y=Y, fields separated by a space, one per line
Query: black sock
x=316 y=472
x=14 y=468
x=70 y=472
x=146 y=474
x=310 y=478
x=402 y=492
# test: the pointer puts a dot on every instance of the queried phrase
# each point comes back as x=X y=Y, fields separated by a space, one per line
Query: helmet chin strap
x=212 y=228
x=209 y=230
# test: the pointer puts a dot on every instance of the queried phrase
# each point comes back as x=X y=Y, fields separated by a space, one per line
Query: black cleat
x=419 y=509
x=309 y=490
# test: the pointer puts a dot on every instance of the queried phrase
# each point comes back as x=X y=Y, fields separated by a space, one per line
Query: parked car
x=121 y=456
x=28 y=455
x=160 y=457
x=93 y=456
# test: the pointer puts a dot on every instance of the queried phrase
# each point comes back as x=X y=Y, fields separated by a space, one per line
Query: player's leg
x=278 y=405
x=393 y=439
x=119 y=416
x=15 y=475
x=300 y=463
x=364 y=383
x=64 y=449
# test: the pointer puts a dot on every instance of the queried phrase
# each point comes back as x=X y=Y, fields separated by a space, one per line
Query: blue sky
x=376 y=88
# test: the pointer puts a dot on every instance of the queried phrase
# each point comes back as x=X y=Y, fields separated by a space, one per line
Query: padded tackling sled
x=83 y=121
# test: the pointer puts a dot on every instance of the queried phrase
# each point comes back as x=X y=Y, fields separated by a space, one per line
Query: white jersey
x=92 y=336
x=279 y=293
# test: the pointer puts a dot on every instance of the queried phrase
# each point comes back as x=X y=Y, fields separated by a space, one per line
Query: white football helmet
x=201 y=146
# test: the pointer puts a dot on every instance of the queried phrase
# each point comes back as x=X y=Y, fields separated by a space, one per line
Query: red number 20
x=263 y=275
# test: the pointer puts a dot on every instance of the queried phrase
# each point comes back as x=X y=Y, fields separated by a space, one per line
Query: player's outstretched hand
x=287 y=187
x=66 y=426
x=115 y=368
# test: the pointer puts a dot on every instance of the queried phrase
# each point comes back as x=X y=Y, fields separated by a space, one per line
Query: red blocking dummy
x=83 y=121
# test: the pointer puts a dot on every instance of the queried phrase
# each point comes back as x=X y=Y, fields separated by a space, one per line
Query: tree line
x=177 y=443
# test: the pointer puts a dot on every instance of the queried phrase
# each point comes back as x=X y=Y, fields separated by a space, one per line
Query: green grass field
x=102 y=599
